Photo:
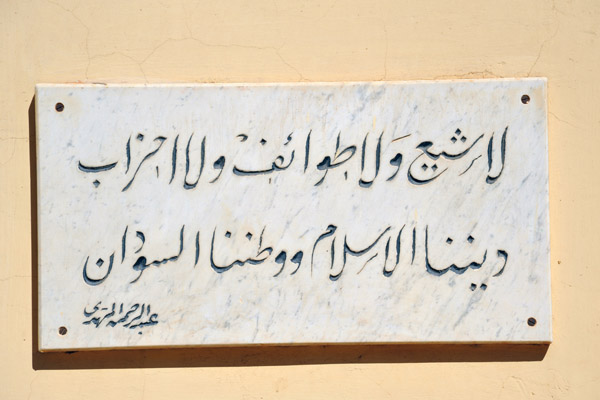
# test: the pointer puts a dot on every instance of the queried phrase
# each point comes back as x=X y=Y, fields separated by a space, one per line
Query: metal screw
x=59 y=107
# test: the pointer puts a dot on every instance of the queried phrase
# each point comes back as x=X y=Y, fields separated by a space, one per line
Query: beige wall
x=325 y=40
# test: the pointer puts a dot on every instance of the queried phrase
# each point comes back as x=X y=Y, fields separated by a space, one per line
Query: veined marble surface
x=173 y=215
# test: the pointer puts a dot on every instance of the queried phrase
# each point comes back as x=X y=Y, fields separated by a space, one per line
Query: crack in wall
x=542 y=48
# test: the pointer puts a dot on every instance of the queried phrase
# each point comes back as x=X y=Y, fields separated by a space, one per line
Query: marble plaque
x=188 y=214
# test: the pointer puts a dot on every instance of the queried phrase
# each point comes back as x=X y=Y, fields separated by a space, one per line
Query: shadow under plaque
x=256 y=355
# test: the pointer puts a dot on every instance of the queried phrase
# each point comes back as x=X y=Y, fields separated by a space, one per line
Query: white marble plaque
x=176 y=215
